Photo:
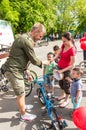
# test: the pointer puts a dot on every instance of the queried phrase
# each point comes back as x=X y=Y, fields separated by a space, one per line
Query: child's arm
x=77 y=96
x=57 y=55
x=69 y=79
x=79 y=89
x=44 y=70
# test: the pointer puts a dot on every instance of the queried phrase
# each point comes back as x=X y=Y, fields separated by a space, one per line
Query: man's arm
x=28 y=48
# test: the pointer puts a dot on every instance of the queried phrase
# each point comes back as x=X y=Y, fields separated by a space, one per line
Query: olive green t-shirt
x=21 y=53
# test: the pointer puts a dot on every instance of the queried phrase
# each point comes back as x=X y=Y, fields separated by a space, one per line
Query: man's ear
x=35 y=32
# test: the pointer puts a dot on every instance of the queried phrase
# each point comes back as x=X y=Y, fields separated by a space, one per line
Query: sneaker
x=49 y=95
x=28 y=107
x=27 y=117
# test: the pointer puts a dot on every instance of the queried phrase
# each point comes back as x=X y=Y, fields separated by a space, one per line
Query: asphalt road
x=8 y=107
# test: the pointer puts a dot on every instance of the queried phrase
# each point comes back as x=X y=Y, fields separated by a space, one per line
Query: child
x=76 y=88
x=56 y=51
x=48 y=71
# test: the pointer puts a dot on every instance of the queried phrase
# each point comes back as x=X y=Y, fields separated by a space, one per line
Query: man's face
x=37 y=35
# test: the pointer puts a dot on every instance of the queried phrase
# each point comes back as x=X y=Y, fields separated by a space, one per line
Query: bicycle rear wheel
x=33 y=74
x=29 y=84
x=82 y=65
x=28 y=88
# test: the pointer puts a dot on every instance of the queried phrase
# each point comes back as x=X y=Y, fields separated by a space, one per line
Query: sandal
x=64 y=104
x=61 y=98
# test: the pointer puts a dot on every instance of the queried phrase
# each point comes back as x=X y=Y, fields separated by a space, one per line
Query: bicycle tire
x=55 y=123
x=82 y=64
x=29 y=84
x=33 y=74
x=28 y=88
x=40 y=96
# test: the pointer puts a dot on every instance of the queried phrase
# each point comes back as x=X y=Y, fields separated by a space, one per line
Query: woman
x=65 y=64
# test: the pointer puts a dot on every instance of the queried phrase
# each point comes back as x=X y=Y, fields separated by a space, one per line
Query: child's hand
x=76 y=100
x=55 y=70
x=68 y=79
x=59 y=71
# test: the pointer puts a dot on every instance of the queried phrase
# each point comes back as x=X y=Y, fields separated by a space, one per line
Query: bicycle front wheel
x=40 y=96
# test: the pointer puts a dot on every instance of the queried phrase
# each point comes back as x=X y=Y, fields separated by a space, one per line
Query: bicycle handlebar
x=40 y=80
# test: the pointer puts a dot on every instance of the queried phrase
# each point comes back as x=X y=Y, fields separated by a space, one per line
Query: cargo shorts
x=17 y=84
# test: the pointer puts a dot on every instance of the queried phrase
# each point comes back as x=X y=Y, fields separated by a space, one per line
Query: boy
x=76 y=87
x=48 y=71
x=56 y=51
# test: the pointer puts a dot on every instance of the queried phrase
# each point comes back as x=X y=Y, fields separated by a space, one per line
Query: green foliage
x=56 y=15
x=80 y=7
x=8 y=13
x=30 y=12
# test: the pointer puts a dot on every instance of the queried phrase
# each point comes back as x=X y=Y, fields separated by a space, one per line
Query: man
x=21 y=52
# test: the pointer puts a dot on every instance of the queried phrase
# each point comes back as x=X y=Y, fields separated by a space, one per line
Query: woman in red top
x=65 y=64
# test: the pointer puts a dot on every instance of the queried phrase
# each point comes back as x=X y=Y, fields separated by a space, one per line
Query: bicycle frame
x=47 y=101
x=50 y=107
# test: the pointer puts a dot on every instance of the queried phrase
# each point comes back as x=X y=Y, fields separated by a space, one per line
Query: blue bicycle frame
x=49 y=105
x=47 y=101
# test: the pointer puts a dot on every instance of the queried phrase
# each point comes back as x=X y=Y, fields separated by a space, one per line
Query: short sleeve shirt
x=65 y=57
x=76 y=85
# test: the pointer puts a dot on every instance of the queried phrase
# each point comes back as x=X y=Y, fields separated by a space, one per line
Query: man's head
x=38 y=31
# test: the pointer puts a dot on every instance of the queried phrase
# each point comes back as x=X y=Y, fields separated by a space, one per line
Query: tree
x=29 y=12
x=80 y=7
x=8 y=13
x=56 y=15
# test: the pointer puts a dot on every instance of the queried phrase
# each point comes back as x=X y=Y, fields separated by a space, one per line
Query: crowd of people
x=61 y=59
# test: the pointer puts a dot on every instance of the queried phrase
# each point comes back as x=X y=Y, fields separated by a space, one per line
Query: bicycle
x=42 y=43
x=56 y=120
x=3 y=83
x=82 y=65
x=28 y=84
